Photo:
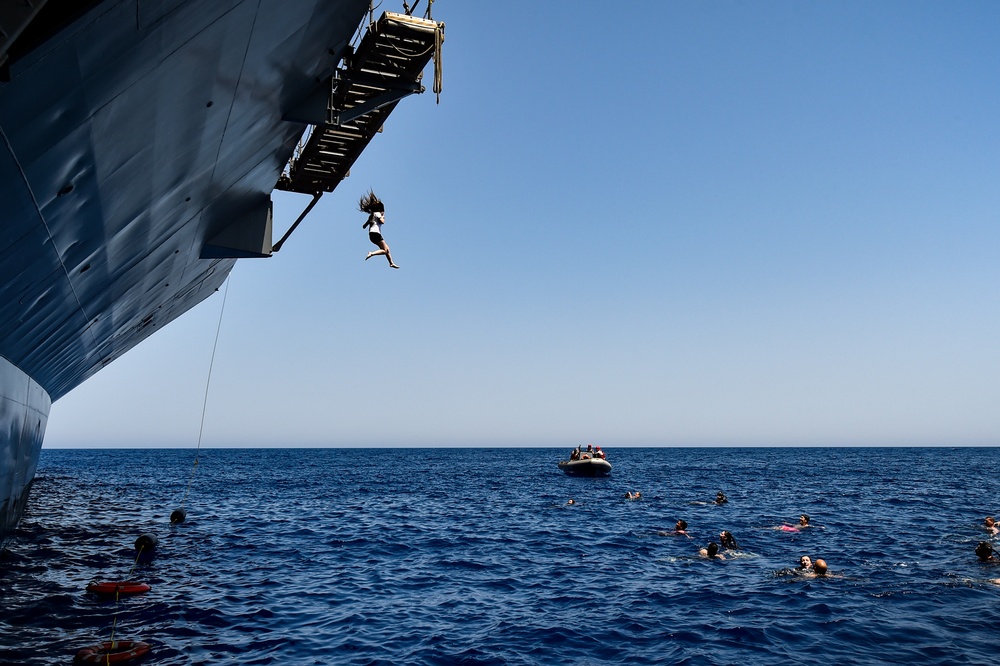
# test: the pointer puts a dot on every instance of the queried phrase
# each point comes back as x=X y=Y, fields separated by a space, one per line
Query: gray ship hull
x=24 y=411
x=139 y=144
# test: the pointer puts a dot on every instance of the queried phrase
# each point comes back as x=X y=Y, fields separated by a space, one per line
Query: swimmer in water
x=984 y=551
x=803 y=523
x=809 y=568
x=680 y=529
x=711 y=552
x=991 y=525
x=571 y=501
x=720 y=498
x=728 y=541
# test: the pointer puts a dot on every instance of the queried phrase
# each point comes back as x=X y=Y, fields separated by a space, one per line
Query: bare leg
x=374 y=253
x=385 y=250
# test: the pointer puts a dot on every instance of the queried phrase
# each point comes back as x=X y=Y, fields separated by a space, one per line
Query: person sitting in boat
x=599 y=454
x=575 y=454
x=589 y=453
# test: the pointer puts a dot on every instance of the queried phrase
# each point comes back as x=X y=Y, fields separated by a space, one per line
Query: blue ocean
x=475 y=556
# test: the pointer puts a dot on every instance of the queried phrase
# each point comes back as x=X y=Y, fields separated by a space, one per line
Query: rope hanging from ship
x=179 y=514
x=438 y=67
x=112 y=651
x=409 y=10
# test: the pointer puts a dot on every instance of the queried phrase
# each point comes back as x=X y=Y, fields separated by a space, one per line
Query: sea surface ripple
x=473 y=556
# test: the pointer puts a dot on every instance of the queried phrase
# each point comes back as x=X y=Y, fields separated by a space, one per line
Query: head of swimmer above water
x=804 y=520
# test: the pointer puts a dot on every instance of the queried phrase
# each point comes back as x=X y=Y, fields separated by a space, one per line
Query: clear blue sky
x=643 y=223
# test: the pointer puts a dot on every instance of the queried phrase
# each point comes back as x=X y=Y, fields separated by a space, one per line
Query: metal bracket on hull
x=351 y=106
x=248 y=236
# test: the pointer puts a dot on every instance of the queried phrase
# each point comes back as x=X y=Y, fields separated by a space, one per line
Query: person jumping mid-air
x=376 y=218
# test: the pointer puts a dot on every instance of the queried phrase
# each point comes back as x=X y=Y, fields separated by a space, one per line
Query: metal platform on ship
x=387 y=66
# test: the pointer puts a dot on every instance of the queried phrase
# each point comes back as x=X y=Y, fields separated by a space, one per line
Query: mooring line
x=208 y=384
x=118 y=592
x=201 y=430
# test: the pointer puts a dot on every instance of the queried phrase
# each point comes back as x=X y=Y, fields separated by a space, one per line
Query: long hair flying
x=371 y=204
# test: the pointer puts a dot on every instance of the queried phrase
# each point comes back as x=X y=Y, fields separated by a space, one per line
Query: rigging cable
x=114 y=622
x=438 y=67
x=208 y=383
x=127 y=650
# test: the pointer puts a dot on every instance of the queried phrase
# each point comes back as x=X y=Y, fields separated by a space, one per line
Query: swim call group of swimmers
x=807 y=566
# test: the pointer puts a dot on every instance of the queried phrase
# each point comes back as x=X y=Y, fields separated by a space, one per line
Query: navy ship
x=140 y=142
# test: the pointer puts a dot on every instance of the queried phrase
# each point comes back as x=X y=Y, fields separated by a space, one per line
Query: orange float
x=119 y=587
x=112 y=652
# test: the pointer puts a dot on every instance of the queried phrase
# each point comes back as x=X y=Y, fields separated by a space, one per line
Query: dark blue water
x=472 y=556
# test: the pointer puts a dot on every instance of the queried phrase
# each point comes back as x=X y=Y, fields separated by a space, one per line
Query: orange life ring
x=121 y=587
x=112 y=652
